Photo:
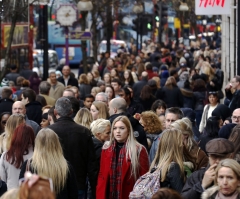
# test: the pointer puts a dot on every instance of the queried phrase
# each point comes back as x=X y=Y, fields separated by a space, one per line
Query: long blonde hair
x=133 y=148
x=170 y=150
x=84 y=117
x=12 y=123
x=185 y=126
x=102 y=108
x=48 y=158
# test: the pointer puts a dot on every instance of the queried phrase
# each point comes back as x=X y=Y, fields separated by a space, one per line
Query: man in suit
x=66 y=79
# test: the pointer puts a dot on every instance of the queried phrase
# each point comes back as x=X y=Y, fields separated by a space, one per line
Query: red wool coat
x=103 y=185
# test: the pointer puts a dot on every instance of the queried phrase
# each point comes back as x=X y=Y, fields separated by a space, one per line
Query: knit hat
x=222 y=111
x=226 y=130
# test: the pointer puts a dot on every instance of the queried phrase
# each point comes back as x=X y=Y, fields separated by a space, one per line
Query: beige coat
x=58 y=91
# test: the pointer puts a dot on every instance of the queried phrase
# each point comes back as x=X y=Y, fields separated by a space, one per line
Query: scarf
x=116 y=171
x=221 y=196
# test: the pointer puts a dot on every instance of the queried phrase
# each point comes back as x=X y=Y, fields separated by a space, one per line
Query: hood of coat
x=209 y=192
x=187 y=93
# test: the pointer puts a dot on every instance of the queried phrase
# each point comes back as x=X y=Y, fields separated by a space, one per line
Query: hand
x=228 y=86
x=137 y=116
x=212 y=84
x=209 y=176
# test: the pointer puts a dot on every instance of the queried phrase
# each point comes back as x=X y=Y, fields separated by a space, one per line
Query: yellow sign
x=177 y=23
x=186 y=25
x=20 y=36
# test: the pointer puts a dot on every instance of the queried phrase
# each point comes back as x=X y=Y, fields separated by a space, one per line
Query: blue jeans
x=81 y=194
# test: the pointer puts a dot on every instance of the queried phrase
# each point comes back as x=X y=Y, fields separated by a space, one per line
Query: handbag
x=146 y=186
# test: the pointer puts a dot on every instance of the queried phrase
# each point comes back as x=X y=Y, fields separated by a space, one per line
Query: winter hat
x=226 y=130
x=222 y=111
x=189 y=113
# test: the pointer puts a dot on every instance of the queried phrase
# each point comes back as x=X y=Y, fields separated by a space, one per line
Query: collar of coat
x=209 y=192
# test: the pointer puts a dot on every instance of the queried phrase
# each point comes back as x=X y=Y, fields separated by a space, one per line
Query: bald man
x=117 y=107
x=236 y=116
x=67 y=79
x=137 y=87
x=19 y=108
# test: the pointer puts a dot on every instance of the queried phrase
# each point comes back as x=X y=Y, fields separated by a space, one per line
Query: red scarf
x=116 y=171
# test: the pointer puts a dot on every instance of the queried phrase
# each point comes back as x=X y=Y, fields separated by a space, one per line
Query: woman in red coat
x=123 y=161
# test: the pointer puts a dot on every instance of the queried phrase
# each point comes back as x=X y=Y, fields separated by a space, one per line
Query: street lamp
x=138 y=8
x=84 y=6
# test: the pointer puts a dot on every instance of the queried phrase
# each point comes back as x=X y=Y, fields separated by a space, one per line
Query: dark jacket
x=26 y=73
x=139 y=133
x=147 y=103
x=6 y=105
x=98 y=149
x=69 y=191
x=78 y=149
x=34 y=111
x=187 y=98
x=135 y=107
x=12 y=77
x=3 y=187
x=84 y=90
x=234 y=99
x=213 y=191
x=172 y=97
x=199 y=98
x=72 y=81
x=193 y=186
x=171 y=181
x=137 y=87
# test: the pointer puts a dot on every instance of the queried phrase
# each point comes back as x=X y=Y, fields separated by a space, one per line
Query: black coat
x=137 y=88
x=193 y=186
x=234 y=99
x=6 y=105
x=172 y=97
x=199 y=99
x=78 y=149
x=26 y=73
x=98 y=149
x=12 y=77
x=72 y=81
x=34 y=111
x=139 y=133
x=69 y=191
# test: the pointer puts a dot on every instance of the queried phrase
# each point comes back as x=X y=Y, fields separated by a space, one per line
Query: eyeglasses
x=235 y=117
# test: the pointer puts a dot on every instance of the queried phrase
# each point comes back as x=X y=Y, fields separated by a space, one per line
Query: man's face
x=215 y=159
x=236 y=116
x=170 y=118
x=123 y=95
x=88 y=102
x=24 y=100
x=18 y=108
x=66 y=71
x=234 y=83
x=53 y=78
x=115 y=86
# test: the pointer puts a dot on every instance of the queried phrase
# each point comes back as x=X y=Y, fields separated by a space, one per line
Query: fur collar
x=209 y=192
x=186 y=93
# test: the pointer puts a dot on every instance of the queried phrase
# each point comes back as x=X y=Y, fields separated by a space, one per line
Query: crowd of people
x=160 y=113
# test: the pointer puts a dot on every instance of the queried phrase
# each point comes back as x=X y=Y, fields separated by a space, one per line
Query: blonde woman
x=101 y=130
x=84 y=117
x=152 y=126
x=48 y=161
x=95 y=91
x=99 y=110
x=169 y=158
x=199 y=158
x=12 y=123
x=227 y=181
x=123 y=161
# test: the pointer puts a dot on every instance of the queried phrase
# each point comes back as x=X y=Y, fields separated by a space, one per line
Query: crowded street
x=141 y=102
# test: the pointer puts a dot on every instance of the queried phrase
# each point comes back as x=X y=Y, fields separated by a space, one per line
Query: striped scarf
x=116 y=171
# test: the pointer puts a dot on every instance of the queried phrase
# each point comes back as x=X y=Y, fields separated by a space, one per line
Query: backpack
x=146 y=186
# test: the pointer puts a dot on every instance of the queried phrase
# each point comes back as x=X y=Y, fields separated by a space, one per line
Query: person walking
x=128 y=161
